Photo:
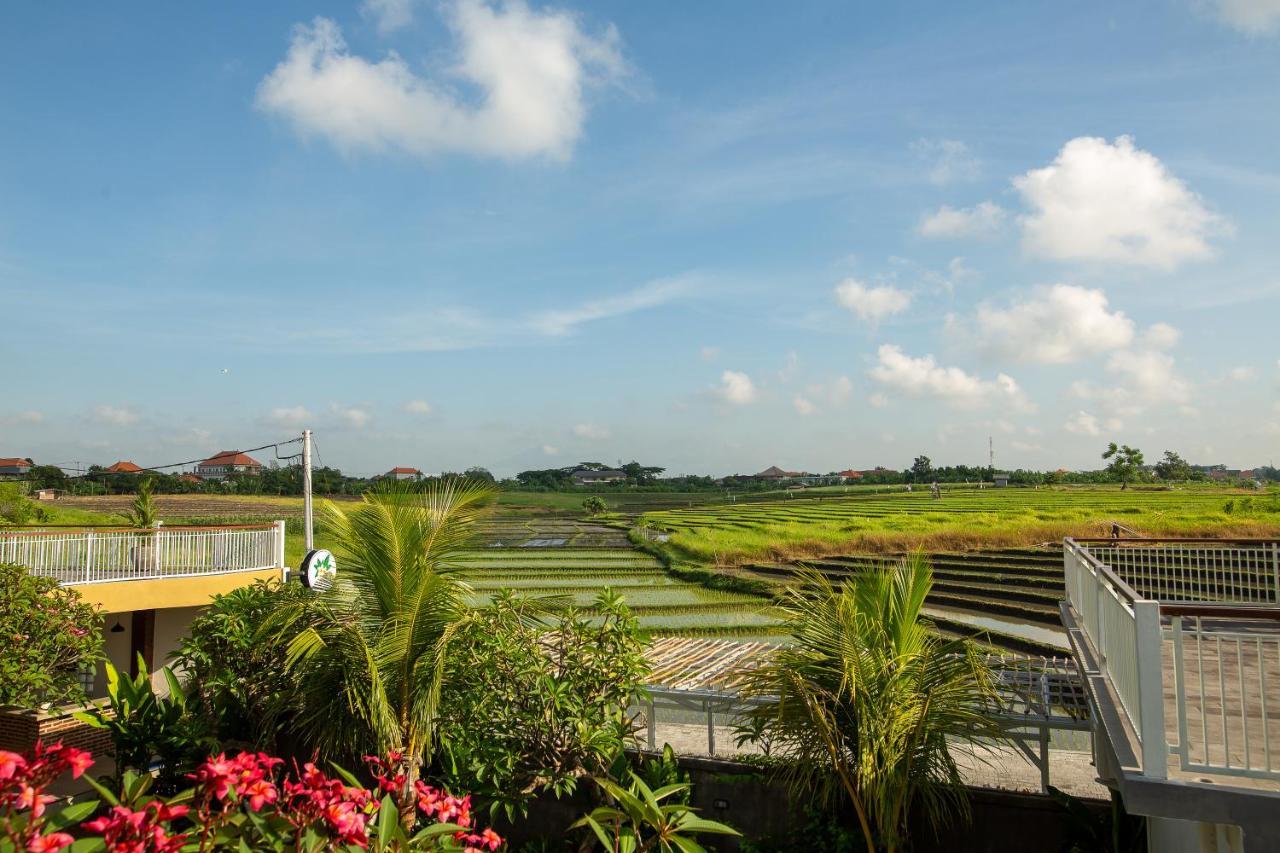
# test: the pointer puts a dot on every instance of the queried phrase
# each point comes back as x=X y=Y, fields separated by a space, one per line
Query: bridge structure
x=1178 y=644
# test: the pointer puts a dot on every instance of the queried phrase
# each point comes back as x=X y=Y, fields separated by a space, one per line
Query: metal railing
x=1219 y=655
x=1199 y=570
x=101 y=555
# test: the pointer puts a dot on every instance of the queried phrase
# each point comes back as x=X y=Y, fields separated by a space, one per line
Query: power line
x=159 y=469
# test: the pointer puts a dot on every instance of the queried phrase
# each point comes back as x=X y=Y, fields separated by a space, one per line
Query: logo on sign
x=318 y=569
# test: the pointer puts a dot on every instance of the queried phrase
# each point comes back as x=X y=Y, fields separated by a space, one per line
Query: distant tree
x=922 y=469
x=1173 y=467
x=594 y=505
x=1125 y=462
x=479 y=474
x=639 y=474
x=47 y=477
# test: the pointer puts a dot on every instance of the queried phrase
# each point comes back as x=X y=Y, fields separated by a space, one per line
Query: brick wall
x=21 y=728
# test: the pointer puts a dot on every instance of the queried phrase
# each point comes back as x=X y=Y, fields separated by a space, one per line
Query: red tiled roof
x=405 y=471
x=124 y=467
x=14 y=462
x=231 y=457
x=851 y=474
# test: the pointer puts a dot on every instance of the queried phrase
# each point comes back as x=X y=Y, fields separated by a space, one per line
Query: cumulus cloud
x=1083 y=424
x=560 y=322
x=736 y=388
x=1161 y=336
x=351 y=416
x=29 y=417
x=872 y=304
x=924 y=377
x=418 y=407
x=531 y=69
x=1242 y=373
x=982 y=220
x=1058 y=324
x=388 y=15
x=115 y=415
x=804 y=406
x=1252 y=17
x=591 y=432
x=1147 y=377
x=948 y=160
x=1114 y=202
x=548 y=450
x=289 y=416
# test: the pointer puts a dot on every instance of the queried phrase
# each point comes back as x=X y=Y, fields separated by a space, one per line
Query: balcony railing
x=100 y=555
x=1187 y=634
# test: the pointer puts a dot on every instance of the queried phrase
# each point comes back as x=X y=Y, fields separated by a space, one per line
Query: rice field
x=573 y=561
x=785 y=529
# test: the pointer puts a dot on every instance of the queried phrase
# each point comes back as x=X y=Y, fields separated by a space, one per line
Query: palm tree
x=369 y=650
x=866 y=699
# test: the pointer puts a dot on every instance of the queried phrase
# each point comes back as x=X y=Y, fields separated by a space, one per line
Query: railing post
x=1275 y=572
x=279 y=550
x=1150 y=661
x=1180 y=691
x=88 y=555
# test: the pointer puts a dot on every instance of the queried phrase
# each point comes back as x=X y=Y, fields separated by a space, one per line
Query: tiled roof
x=124 y=467
x=231 y=457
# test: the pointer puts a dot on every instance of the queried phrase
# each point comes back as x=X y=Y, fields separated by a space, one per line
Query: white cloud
x=923 y=377
x=561 y=322
x=736 y=388
x=1147 y=377
x=352 y=416
x=872 y=304
x=29 y=417
x=841 y=389
x=1083 y=424
x=115 y=415
x=982 y=220
x=1161 y=336
x=1242 y=373
x=949 y=160
x=804 y=406
x=418 y=407
x=1252 y=17
x=389 y=15
x=878 y=400
x=530 y=67
x=591 y=432
x=289 y=416
x=1057 y=325
x=1099 y=201
x=548 y=450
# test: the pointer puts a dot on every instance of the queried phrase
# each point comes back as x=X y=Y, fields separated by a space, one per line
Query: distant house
x=190 y=478
x=850 y=474
x=227 y=462
x=48 y=494
x=1001 y=478
x=14 y=467
x=592 y=477
x=773 y=472
x=403 y=474
x=124 y=467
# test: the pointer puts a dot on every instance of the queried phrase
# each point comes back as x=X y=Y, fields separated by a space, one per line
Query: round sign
x=318 y=569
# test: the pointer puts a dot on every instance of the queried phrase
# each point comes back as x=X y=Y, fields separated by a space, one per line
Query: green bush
x=48 y=634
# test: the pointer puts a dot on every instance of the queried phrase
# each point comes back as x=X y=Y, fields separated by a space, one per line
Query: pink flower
x=78 y=760
x=49 y=843
x=10 y=764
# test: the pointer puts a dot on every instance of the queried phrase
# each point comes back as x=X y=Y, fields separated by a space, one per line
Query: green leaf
x=388 y=821
x=693 y=823
x=103 y=791
x=87 y=845
x=73 y=814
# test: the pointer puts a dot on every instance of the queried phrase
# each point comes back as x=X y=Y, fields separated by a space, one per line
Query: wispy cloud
x=564 y=321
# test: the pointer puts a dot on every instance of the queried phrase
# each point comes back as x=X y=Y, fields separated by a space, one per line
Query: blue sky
x=708 y=236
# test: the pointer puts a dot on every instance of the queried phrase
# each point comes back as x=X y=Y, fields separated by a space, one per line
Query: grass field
x=788 y=529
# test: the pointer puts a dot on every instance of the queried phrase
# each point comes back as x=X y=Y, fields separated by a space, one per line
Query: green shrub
x=48 y=634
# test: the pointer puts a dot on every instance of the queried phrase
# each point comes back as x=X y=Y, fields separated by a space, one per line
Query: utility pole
x=308 y=535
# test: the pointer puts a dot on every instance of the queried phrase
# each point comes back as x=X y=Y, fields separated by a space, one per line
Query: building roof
x=598 y=473
x=124 y=466
x=851 y=474
x=231 y=457
x=189 y=478
x=773 y=471
x=404 y=471
x=14 y=462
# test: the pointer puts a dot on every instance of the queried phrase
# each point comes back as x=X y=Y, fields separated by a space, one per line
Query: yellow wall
x=160 y=593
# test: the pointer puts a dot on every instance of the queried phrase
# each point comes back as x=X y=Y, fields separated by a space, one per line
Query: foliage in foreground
x=47 y=635
x=235 y=673
x=241 y=803
x=536 y=697
x=639 y=820
x=863 y=704
x=369 y=652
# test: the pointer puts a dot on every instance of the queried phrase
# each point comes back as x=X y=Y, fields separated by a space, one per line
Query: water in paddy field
x=1026 y=630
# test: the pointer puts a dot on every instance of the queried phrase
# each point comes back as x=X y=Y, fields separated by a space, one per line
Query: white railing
x=1228 y=698
x=99 y=555
x=1125 y=632
x=1200 y=617
x=1240 y=572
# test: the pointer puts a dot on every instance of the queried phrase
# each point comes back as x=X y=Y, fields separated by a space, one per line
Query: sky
x=712 y=237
